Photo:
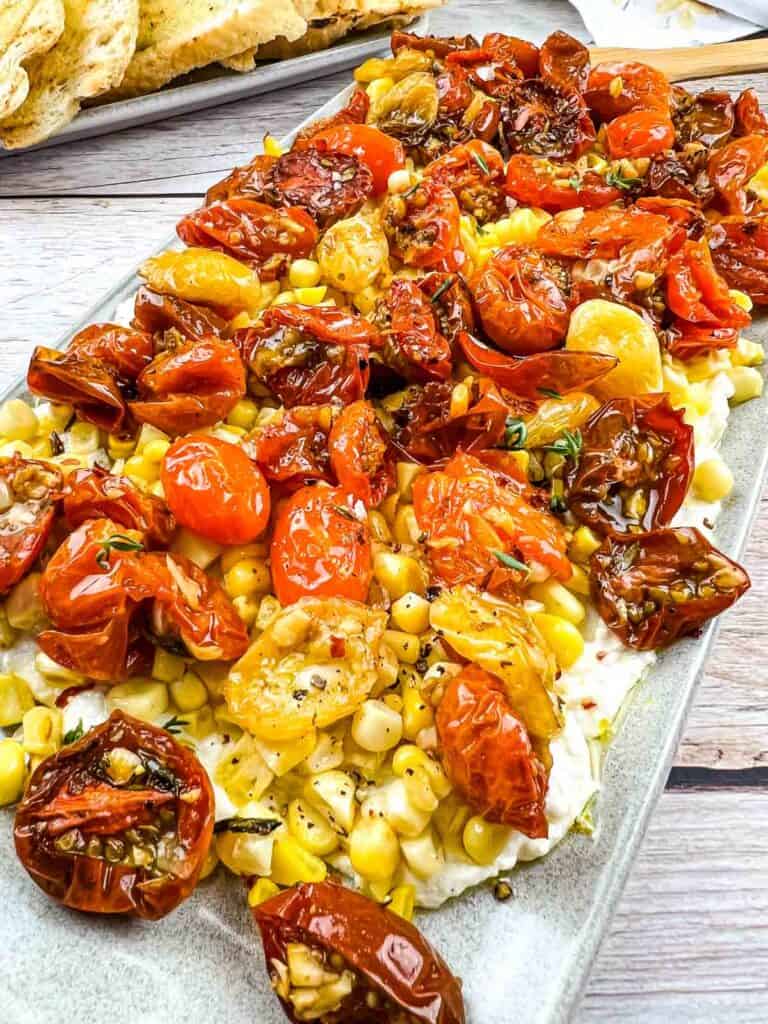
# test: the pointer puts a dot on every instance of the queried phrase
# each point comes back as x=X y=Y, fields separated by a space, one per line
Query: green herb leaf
x=175 y=725
x=442 y=288
x=347 y=513
x=515 y=434
x=481 y=163
x=117 y=542
x=617 y=179
x=510 y=561
x=557 y=504
x=575 y=182
x=73 y=735
x=253 y=826
x=550 y=393
x=569 y=445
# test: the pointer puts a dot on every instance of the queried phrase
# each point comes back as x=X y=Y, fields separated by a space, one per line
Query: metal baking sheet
x=525 y=961
x=214 y=85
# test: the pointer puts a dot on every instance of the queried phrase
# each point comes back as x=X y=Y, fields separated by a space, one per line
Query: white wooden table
x=690 y=938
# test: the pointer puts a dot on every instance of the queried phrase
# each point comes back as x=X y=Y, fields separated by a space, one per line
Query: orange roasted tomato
x=213 y=488
x=321 y=546
x=640 y=133
x=732 y=167
x=615 y=88
x=354 y=112
x=481 y=526
x=96 y=494
x=422 y=226
x=292 y=449
x=264 y=237
x=534 y=181
x=155 y=313
x=487 y=753
x=522 y=300
x=750 y=119
x=413 y=345
x=362 y=458
x=474 y=172
x=739 y=248
x=380 y=153
x=546 y=121
x=564 y=62
x=30 y=491
x=117 y=823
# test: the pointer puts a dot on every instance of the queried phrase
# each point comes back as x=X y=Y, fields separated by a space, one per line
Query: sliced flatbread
x=176 y=36
x=90 y=57
x=329 y=21
x=28 y=28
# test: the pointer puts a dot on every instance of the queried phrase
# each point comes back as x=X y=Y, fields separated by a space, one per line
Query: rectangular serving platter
x=214 y=85
x=525 y=961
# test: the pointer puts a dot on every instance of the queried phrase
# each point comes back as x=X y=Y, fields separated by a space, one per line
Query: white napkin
x=666 y=23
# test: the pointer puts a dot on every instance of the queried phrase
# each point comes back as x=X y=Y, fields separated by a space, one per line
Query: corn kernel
x=59 y=673
x=272 y=147
x=232 y=555
x=379 y=87
x=333 y=793
x=379 y=527
x=249 y=578
x=459 y=401
x=399 y=181
x=243 y=414
x=403 y=901
x=11 y=448
x=42 y=731
x=304 y=274
x=11 y=771
x=417 y=713
x=281 y=756
x=261 y=890
x=741 y=299
x=748 y=353
x=189 y=692
x=422 y=854
x=147 y=435
x=616 y=86
x=84 y=438
x=410 y=613
x=17 y=421
x=747 y=383
x=579 y=581
x=120 y=447
x=712 y=480
x=583 y=545
x=376 y=727
x=292 y=864
x=311 y=829
x=393 y=700
x=558 y=601
x=141 y=698
x=200 y=723
x=243 y=853
x=167 y=667
x=562 y=637
x=247 y=608
x=483 y=841
x=311 y=296
x=283 y=299
x=142 y=469
x=15 y=699
x=155 y=451
x=200 y=550
x=407 y=529
x=374 y=849
x=406 y=646
x=409 y=758
x=388 y=507
x=399 y=574
x=406 y=474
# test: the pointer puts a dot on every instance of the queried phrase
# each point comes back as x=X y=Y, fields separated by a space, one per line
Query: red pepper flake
x=338 y=647
x=588 y=704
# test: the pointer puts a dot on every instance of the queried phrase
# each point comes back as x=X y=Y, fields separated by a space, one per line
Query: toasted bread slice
x=329 y=21
x=91 y=56
x=176 y=36
x=28 y=28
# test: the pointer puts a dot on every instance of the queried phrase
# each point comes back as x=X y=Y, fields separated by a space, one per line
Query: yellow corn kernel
x=241 y=320
x=17 y=421
x=261 y=890
x=147 y=435
x=558 y=601
x=410 y=613
x=459 y=400
x=200 y=550
x=311 y=296
x=399 y=574
x=272 y=147
x=138 y=466
x=388 y=507
x=376 y=727
x=189 y=692
x=231 y=556
x=410 y=758
x=406 y=646
x=281 y=756
x=42 y=448
x=11 y=448
x=407 y=530
x=120 y=447
x=243 y=414
x=423 y=854
x=741 y=299
x=748 y=353
x=269 y=606
x=583 y=545
x=200 y=723
x=483 y=841
x=304 y=274
x=311 y=829
x=406 y=474
x=11 y=771
x=419 y=790
x=450 y=819
x=42 y=731
x=155 y=451
x=712 y=480
x=247 y=608
x=399 y=181
x=84 y=438
x=579 y=581
x=333 y=793
x=243 y=773
x=167 y=667
x=141 y=698
x=284 y=298
x=23 y=607
x=379 y=527
x=59 y=673
x=379 y=87
x=203 y=275
x=417 y=713
x=616 y=86
x=249 y=578
x=393 y=700
x=374 y=849
x=15 y=699
x=292 y=864
x=562 y=637
x=747 y=383
x=244 y=853
x=403 y=901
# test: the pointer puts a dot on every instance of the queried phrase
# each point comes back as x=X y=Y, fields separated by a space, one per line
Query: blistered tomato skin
x=95 y=494
x=487 y=753
x=32 y=490
x=213 y=488
x=385 y=954
x=361 y=457
x=124 y=775
x=640 y=133
x=380 y=153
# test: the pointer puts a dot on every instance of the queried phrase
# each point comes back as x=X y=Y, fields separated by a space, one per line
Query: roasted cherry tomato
x=263 y=237
x=640 y=133
x=678 y=176
x=686 y=341
x=96 y=494
x=451 y=302
x=564 y=62
x=537 y=376
x=652 y=588
x=522 y=300
x=474 y=516
x=30 y=492
x=634 y=465
x=189 y=387
x=544 y=121
x=733 y=167
x=321 y=546
x=474 y=172
x=380 y=153
x=697 y=293
x=252 y=181
x=362 y=458
x=422 y=226
x=213 y=488
x=498 y=64
x=117 y=823
x=707 y=117
x=378 y=966
x=429 y=429
x=554 y=187
x=413 y=345
x=739 y=248
x=329 y=185
x=355 y=112
x=750 y=119
x=157 y=313
x=618 y=87
x=440 y=46
x=487 y=753
x=293 y=449
x=124 y=350
x=308 y=355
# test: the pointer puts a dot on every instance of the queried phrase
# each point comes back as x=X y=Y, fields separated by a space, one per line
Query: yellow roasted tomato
x=352 y=253
x=203 y=275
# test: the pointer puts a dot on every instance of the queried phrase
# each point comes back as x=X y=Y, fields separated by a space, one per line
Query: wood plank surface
x=690 y=940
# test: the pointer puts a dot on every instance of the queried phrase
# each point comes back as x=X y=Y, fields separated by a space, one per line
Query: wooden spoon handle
x=695 y=61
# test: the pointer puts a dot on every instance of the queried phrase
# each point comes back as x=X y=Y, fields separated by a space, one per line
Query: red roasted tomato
x=556 y=186
x=522 y=300
x=739 y=248
x=564 y=62
x=634 y=466
x=355 y=112
x=640 y=133
x=422 y=226
x=474 y=172
x=321 y=546
x=117 y=823
x=750 y=119
x=96 y=494
x=156 y=313
x=413 y=345
x=30 y=492
x=618 y=87
x=696 y=292
x=384 y=964
x=652 y=588
x=543 y=120
x=707 y=117
x=361 y=455
x=487 y=753
x=293 y=450
x=733 y=167
x=213 y=488
x=380 y=153
x=263 y=237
